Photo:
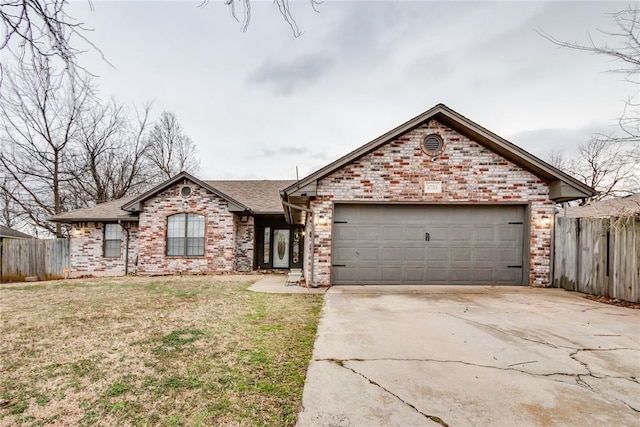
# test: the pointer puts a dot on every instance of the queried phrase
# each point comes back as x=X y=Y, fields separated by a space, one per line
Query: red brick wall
x=87 y=249
x=220 y=246
x=244 y=232
x=469 y=173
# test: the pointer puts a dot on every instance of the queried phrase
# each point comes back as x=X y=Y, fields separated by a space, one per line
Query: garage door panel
x=392 y=274
x=370 y=274
x=393 y=255
x=483 y=275
x=485 y=234
x=460 y=274
x=413 y=274
x=437 y=233
x=414 y=254
x=428 y=244
x=413 y=233
x=370 y=233
x=345 y=275
x=460 y=254
x=463 y=234
x=510 y=234
x=369 y=216
x=435 y=254
x=343 y=233
x=507 y=276
x=346 y=254
x=393 y=233
x=437 y=275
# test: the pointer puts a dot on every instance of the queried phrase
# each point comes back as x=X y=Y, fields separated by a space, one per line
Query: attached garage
x=439 y=200
x=391 y=244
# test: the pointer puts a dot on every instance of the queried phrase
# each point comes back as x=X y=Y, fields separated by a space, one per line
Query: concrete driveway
x=461 y=356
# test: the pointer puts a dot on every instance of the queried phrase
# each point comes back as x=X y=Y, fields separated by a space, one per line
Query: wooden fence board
x=598 y=256
x=46 y=259
x=626 y=265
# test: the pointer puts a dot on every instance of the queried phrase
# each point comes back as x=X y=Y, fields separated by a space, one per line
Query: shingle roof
x=259 y=195
x=619 y=206
x=108 y=211
x=10 y=232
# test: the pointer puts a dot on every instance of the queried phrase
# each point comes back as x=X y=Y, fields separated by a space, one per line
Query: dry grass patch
x=166 y=351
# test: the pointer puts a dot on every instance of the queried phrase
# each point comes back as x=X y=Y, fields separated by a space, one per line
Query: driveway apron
x=462 y=356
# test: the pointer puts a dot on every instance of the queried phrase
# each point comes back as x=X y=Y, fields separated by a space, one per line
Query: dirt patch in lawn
x=199 y=350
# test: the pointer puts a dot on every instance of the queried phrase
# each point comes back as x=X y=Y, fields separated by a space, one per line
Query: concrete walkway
x=276 y=284
x=472 y=356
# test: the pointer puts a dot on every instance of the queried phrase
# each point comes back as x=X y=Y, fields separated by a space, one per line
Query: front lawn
x=169 y=351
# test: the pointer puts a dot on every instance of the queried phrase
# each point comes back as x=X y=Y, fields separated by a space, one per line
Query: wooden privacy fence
x=20 y=258
x=598 y=256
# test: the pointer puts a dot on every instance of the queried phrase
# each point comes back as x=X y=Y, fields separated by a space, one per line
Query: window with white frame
x=185 y=235
x=112 y=240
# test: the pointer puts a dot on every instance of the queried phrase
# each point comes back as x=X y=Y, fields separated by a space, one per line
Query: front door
x=281 y=241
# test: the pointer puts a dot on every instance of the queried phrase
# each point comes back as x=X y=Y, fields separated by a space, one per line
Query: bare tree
x=611 y=163
x=111 y=148
x=169 y=149
x=623 y=47
x=609 y=166
x=39 y=114
x=8 y=215
x=41 y=29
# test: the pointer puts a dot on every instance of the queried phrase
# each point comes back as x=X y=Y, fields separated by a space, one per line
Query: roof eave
x=136 y=204
x=96 y=219
x=449 y=117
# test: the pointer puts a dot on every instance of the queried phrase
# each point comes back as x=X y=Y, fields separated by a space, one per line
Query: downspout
x=312 y=236
x=126 y=248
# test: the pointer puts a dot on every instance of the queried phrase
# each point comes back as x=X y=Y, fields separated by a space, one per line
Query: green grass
x=170 y=351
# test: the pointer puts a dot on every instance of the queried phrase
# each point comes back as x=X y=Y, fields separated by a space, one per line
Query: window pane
x=112 y=248
x=185 y=235
x=112 y=240
x=267 y=244
x=195 y=246
x=176 y=225
x=195 y=226
x=112 y=232
x=175 y=246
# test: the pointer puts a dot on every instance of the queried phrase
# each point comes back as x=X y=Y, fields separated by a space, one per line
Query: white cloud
x=260 y=103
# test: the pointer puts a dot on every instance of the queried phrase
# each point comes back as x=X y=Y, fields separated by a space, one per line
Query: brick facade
x=244 y=232
x=86 y=247
x=220 y=227
x=229 y=239
x=469 y=172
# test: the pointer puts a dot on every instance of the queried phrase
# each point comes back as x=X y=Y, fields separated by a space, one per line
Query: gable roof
x=135 y=205
x=261 y=196
x=107 y=211
x=562 y=187
x=11 y=233
x=255 y=196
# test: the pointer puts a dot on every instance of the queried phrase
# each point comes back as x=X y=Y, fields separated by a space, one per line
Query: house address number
x=432 y=187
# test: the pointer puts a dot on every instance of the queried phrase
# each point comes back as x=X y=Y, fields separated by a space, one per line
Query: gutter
x=126 y=248
x=311 y=236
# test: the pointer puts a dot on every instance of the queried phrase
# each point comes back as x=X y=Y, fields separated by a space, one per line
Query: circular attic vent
x=432 y=144
x=185 y=191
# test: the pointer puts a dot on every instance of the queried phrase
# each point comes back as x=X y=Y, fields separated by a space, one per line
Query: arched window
x=185 y=235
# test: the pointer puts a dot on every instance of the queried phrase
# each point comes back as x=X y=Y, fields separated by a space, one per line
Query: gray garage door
x=427 y=244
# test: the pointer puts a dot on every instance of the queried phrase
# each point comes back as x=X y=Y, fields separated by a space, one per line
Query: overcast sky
x=260 y=103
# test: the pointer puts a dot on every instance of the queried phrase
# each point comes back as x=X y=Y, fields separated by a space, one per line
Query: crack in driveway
x=579 y=381
x=340 y=363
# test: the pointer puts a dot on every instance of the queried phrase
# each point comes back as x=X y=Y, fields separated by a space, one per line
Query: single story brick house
x=437 y=200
